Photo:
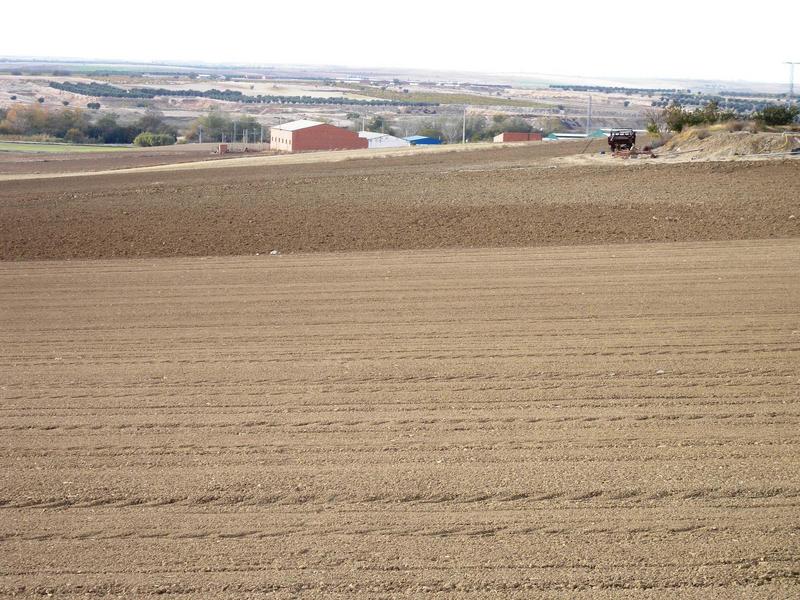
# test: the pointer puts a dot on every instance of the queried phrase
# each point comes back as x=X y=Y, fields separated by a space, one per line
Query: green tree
x=476 y=128
x=214 y=125
x=75 y=135
x=247 y=123
x=379 y=124
x=153 y=121
x=777 y=115
x=430 y=130
x=148 y=138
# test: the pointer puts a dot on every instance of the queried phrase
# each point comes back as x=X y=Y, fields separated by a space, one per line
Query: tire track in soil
x=532 y=427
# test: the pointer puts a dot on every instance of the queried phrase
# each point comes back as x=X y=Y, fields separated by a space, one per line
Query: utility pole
x=233 y=139
x=464 y=127
x=589 y=117
x=200 y=131
x=791 y=78
x=363 y=123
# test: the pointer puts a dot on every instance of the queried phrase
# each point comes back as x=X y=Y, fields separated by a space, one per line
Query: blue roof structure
x=421 y=139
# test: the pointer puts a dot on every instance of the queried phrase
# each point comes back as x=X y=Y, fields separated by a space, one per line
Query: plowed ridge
x=568 y=422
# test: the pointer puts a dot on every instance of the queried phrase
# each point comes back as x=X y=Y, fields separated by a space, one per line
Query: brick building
x=518 y=136
x=303 y=135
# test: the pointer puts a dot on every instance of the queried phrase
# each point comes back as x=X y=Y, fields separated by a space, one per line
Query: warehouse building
x=518 y=136
x=383 y=140
x=597 y=133
x=421 y=140
x=304 y=135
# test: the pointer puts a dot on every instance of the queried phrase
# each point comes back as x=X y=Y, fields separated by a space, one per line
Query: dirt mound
x=722 y=144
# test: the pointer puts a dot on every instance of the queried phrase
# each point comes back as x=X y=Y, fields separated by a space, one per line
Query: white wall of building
x=382 y=140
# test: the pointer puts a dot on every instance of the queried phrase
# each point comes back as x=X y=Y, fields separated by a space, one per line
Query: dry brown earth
x=586 y=422
x=512 y=196
x=18 y=163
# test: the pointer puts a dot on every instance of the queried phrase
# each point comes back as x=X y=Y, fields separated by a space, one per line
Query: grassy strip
x=46 y=148
x=437 y=97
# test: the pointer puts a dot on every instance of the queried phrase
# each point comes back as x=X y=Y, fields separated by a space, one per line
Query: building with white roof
x=304 y=135
x=382 y=140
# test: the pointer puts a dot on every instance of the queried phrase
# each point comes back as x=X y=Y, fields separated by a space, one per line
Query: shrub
x=147 y=139
x=40 y=100
x=703 y=134
x=677 y=118
x=75 y=136
x=777 y=115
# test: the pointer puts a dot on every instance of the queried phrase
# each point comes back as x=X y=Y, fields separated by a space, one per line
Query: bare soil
x=19 y=163
x=576 y=422
x=510 y=196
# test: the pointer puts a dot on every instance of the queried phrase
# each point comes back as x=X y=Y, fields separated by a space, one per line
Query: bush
x=703 y=134
x=93 y=105
x=777 y=115
x=677 y=118
x=75 y=136
x=147 y=139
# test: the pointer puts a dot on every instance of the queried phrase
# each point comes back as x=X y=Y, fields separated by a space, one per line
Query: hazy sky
x=674 y=39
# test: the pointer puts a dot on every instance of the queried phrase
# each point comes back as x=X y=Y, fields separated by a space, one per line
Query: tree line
x=741 y=106
x=450 y=129
x=604 y=89
x=76 y=126
x=110 y=91
x=216 y=126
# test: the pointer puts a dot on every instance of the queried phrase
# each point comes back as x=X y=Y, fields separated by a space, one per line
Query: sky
x=678 y=39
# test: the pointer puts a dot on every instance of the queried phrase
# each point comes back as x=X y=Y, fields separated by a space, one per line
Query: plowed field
x=509 y=197
x=572 y=422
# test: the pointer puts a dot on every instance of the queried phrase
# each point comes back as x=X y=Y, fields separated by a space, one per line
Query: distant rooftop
x=371 y=135
x=295 y=125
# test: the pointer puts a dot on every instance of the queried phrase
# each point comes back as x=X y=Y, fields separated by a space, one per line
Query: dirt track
x=498 y=197
x=589 y=422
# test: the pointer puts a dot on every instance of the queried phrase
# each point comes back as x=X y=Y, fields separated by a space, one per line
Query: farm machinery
x=623 y=144
x=621 y=139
